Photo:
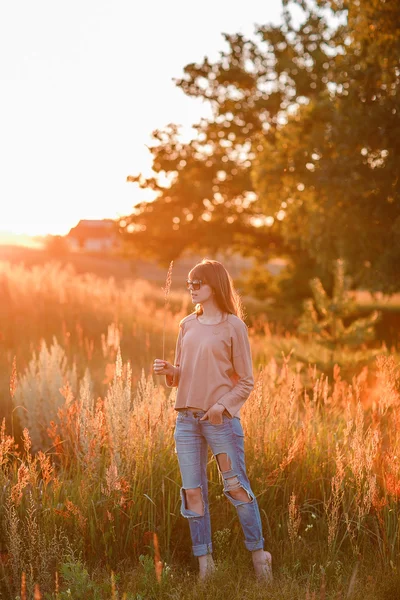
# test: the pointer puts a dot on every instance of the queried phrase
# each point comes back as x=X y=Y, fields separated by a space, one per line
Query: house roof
x=93 y=229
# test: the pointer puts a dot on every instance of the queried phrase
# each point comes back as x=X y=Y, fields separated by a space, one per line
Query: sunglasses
x=195 y=285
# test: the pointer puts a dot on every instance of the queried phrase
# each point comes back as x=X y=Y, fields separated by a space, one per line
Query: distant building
x=94 y=236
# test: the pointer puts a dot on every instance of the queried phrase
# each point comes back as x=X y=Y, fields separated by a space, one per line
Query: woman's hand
x=214 y=414
x=163 y=367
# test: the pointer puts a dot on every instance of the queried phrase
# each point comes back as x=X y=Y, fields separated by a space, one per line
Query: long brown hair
x=217 y=277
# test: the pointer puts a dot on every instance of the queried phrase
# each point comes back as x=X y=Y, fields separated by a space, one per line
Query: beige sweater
x=212 y=364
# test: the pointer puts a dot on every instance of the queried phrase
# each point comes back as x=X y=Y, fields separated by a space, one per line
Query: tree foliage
x=333 y=168
x=209 y=200
x=324 y=316
x=299 y=157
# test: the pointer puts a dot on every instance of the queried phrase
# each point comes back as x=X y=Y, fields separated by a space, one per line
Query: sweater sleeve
x=172 y=381
x=242 y=364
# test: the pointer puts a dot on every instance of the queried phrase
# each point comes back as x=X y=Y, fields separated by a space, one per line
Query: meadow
x=90 y=483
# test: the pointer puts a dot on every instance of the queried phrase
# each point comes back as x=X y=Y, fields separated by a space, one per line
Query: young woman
x=214 y=376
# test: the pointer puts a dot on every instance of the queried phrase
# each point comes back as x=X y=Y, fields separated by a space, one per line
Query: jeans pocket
x=219 y=424
x=237 y=428
x=213 y=424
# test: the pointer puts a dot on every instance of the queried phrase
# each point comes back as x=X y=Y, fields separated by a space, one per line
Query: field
x=89 y=478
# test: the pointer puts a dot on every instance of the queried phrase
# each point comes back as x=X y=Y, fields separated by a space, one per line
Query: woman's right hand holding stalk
x=163 y=367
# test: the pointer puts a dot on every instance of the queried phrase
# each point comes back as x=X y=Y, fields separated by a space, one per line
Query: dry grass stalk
x=322 y=591
x=13 y=378
x=47 y=469
x=23 y=586
x=166 y=290
x=6 y=445
x=294 y=520
x=352 y=583
x=113 y=587
x=57 y=586
x=36 y=592
x=23 y=480
x=77 y=513
x=157 y=558
x=332 y=507
x=294 y=450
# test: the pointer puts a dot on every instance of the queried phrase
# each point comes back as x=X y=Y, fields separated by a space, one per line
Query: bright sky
x=83 y=84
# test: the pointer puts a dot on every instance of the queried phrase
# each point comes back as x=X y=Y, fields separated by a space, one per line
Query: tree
x=333 y=169
x=57 y=246
x=209 y=201
x=300 y=157
x=324 y=316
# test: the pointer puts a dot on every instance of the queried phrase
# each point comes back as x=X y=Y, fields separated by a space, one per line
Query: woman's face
x=202 y=295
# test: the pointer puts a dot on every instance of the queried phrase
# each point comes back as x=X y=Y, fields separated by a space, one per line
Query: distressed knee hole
x=235 y=489
x=232 y=484
x=193 y=500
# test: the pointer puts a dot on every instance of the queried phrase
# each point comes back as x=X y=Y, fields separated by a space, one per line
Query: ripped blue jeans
x=192 y=438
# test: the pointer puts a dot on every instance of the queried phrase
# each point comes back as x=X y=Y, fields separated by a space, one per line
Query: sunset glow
x=85 y=85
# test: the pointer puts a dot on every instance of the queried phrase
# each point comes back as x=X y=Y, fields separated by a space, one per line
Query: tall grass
x=93 y=485
x=323 y=467
x=90 y=317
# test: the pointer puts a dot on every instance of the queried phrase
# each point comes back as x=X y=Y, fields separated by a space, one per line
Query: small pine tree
x=323 y=316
